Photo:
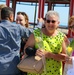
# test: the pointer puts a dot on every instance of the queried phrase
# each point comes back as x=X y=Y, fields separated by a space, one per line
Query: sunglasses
x=72 y=27
x=52 y=21
x=23 y=13
x=48 y=21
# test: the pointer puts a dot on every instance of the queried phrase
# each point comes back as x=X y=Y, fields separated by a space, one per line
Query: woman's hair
x=26 y=18
x=71 y=19
x=2 y=6
x=51 y=13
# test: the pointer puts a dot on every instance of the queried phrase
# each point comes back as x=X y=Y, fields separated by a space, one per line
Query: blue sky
x=64 y=14
x=30 y=10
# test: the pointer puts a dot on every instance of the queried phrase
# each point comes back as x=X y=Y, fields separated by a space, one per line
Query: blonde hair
x=71 y=19
x=50 y=13
x=2 y=6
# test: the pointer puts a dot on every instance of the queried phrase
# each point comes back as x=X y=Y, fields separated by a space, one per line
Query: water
x=30 y=10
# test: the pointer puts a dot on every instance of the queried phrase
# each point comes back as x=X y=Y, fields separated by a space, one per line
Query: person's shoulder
x=16 y=25
x=37 y=31
x=61 y=33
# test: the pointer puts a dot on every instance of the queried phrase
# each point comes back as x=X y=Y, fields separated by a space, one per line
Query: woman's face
x=20 y=19
x=72 y=26
x=51 y=23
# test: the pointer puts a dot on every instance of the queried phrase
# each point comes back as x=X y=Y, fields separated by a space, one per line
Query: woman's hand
x=58 y=57
x=40 y=52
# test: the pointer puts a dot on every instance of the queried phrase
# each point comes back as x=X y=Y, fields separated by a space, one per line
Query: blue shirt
x=10 y=39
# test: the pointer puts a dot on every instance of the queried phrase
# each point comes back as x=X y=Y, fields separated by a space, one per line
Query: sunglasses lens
x=48 y=21
x=53 y=21
x=72 y=27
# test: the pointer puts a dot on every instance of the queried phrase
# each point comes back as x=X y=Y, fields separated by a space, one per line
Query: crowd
x=15 y=38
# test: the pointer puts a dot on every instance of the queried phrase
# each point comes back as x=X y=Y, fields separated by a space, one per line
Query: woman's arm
x=30 y=42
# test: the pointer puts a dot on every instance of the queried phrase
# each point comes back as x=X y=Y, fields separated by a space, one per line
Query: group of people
x=16 y=37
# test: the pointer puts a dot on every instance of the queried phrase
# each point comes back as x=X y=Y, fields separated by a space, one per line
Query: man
x=10 y=39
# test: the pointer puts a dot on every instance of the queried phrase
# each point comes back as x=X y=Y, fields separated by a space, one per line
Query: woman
x=53 y=43
x=71 y=27
x=71 y=35
x=22 y=18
